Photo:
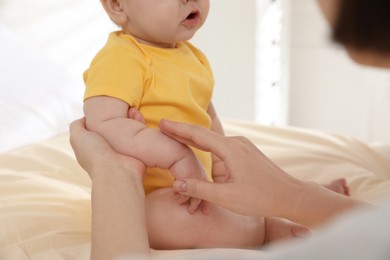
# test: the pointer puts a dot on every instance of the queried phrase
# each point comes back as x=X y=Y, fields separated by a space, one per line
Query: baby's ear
x=115 y=11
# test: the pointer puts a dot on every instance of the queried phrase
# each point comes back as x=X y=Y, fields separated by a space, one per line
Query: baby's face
x=164 y=22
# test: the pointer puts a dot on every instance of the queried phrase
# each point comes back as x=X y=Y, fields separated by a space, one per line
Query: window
x=272 y=62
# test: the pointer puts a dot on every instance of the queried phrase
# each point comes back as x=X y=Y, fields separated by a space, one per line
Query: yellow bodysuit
x=173 y=83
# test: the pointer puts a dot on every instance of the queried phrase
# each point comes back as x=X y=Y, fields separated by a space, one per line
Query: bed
x=45 y=208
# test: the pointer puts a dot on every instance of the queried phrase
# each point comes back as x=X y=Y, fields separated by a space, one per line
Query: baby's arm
x=109 y=117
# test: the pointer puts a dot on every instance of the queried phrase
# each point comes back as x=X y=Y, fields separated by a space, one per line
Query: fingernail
x=300 y=231
x=180 y=186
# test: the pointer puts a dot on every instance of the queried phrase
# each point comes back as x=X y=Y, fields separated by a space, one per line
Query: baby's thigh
x=170 y=226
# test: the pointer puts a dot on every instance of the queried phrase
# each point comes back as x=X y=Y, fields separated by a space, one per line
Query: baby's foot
x=277 y=229
x=339 y=186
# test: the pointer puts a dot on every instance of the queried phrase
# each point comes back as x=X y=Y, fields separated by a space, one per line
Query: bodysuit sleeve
x=119 y=72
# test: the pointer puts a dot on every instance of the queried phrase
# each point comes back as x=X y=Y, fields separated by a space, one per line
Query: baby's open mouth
x=193 y=19
x=192 y=15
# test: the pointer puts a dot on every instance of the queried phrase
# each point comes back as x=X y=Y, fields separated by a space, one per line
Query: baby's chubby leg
x=170 y=226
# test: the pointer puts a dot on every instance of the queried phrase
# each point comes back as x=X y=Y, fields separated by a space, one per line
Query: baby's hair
x=363 y=24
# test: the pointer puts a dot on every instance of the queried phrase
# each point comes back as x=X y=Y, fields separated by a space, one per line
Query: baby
x=150 y=66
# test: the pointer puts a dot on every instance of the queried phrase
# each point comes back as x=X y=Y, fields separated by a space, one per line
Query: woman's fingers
x=75 y=127
x=199 y=189
x=87 y=146
x=92 y=150
x=134 y=113
x=196 y=136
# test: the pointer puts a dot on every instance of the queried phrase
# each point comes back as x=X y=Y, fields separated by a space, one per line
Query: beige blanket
x=45 y=196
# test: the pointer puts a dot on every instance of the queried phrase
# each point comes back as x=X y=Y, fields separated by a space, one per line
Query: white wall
x=72 y=31
x=228 y=39
x=328 y=91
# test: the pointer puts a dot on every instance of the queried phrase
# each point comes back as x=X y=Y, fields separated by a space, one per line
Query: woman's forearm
x=313 y=205
x=118 y=214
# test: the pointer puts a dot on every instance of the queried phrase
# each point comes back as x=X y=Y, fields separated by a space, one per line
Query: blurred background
x=272 y=59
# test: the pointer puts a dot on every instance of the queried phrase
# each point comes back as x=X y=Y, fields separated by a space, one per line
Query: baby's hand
x=190 y=167
x=219 y=176
x=194 y=204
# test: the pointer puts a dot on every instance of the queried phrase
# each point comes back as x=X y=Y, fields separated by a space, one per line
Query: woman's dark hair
x=363 y=24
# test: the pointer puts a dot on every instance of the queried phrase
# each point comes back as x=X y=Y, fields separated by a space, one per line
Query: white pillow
x=38 y=99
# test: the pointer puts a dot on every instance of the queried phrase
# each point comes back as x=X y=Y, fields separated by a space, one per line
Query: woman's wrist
x=314 y=205
x=289 y=198
x=118 y=171
x=118 y=212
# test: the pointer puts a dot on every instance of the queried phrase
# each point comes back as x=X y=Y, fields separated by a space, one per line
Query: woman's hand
x=92 y=151
x=254 y=185
x=118 y=199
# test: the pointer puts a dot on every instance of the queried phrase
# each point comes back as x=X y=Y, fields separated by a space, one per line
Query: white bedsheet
x=45 y=195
